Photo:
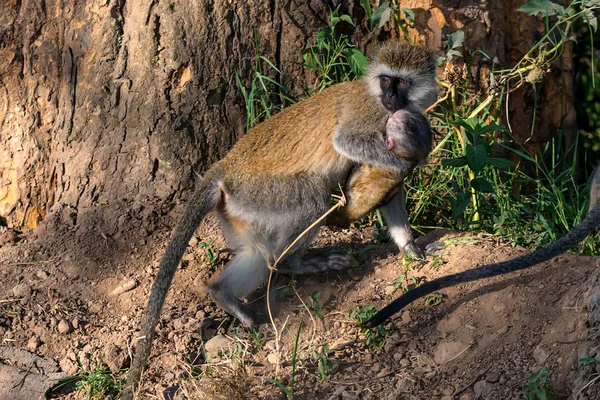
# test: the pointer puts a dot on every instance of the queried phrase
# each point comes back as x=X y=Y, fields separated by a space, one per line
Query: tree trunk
x=108 y=109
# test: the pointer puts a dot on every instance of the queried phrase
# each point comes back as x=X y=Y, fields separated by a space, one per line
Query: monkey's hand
x=370 y=148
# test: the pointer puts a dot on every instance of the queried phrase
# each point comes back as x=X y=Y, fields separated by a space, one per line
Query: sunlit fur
x=412 y=63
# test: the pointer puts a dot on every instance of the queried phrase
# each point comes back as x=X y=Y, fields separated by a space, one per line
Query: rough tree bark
x=109 y=107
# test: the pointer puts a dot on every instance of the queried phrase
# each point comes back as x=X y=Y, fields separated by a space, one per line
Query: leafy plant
x=477 y=155
x=212 y=256
x=289 y=390
x=323 y=362
x=264 y=95
x=333 y=57
x=374 y=337
x=537 y=386
x=434 y=299
x=314 y=304
x=98 y=382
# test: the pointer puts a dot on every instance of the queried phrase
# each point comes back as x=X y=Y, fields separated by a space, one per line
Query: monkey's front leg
x=395 y=215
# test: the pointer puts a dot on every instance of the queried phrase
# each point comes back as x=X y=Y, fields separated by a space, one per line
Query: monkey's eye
x=401 y=82
x=385 y=80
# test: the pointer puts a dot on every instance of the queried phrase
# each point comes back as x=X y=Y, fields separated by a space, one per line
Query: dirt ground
x=485 y=339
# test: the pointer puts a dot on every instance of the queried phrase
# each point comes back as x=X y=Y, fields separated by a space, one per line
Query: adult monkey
x=589 y=225
x=278 y=178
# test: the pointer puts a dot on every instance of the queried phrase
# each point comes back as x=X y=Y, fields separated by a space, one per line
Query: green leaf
x=358 y=62
x=492 y=127
x=381 y=16
x=410 y=15
x=346 y=18
x=482 y=185
x=544 y=7
x=591 y=19
x=477 y=157
x=455 y=162
x=498 y=162
x=366 y=5
x=456 y=39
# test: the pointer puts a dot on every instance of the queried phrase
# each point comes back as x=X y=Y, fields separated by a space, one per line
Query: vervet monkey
x=589 y=225
x=278 y=178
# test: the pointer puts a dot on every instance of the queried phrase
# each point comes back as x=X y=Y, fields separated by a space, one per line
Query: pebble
x=21 y=290
x=42 y=274
x=404 y=363
x=75 y=323
x=482 y=389
x=492 y=377
x=272 y=358
x=64 y=327
x=466 y=396
x=33 y=343
x=349 y=396
x=376 y=367
x=68 y=366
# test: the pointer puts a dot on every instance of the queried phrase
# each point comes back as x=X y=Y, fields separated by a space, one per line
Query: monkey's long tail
x=203 y=201
x=589 y=225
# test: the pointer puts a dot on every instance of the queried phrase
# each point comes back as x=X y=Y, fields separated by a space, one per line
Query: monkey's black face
x=394 y=92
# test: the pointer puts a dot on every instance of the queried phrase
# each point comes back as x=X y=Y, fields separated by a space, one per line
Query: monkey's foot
x=294 y=265
x=414 y=251
x=435 y=248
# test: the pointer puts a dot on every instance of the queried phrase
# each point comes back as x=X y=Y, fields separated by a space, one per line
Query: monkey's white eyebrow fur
x=423 y=92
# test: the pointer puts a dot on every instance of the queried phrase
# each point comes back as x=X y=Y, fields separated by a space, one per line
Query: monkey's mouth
x=389 y=143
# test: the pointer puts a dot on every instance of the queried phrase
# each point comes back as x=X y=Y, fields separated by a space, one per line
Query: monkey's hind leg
x=313 y=264
x=245 y=273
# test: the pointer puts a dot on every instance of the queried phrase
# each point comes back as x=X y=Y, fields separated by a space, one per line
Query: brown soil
x=483 y=341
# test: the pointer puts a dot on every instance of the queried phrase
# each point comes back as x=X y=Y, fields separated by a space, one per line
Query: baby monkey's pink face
x=408 y=134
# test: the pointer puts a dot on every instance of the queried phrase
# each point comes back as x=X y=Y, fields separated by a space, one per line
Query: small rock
x=21 y=290
x=376 y=367
x=492 y=377
x=466 y=396
x=346 y=395
x=383 y=372
x=193 y=241
x=404 y=363
x=503 y=330
x=64 y=327
x=446 y=351
x=68 y=366
x=216 y=345
x=389 y=290
x=482 y=389
x=75 y=323
x=42 y=274
x=272 y=358
x=405 y=317
x=398 y=356
x=540 y=354
x=114 y=357
x=33 y=343
x=447 y=398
